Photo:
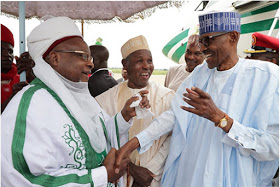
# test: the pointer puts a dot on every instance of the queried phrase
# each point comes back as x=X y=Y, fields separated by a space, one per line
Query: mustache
x=191 y=61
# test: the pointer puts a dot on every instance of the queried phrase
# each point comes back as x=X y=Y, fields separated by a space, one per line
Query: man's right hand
x=109 y=164
x=129 y=112
x=25 y=63
x=125 y=151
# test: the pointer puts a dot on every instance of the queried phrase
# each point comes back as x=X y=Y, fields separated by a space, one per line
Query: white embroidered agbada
x=53 y=132
x=160 y=101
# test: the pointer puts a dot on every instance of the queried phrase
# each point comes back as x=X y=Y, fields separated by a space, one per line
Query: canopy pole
x=22 y=34
x=82 y=22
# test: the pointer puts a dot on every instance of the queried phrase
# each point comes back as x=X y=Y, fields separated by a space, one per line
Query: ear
x=124 y=63
x=234 y=37
x=54 y=59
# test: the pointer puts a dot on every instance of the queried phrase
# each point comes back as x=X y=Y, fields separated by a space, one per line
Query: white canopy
x=86 y=10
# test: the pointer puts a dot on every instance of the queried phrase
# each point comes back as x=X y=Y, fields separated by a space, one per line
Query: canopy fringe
x=140 y=15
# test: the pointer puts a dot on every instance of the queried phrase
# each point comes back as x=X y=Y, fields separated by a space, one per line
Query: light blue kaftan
x=204 y=155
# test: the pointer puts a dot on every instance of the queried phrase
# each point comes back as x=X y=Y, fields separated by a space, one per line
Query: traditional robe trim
x=93 y=159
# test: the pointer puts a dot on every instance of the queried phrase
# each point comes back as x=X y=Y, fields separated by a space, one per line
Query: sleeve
x=262 y=143
x=156 y=164
x=117 y=129
x=159 y=126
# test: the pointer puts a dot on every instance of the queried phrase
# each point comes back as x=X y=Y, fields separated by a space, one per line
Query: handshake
x=117 y=161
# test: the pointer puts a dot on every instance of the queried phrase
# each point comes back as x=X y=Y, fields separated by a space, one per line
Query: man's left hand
x=140 y=174
x=202 y=105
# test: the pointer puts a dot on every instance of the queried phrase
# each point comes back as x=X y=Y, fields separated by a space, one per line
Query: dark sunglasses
x=206 y=40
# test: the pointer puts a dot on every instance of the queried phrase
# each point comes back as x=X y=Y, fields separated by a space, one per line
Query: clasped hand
x=129 y=112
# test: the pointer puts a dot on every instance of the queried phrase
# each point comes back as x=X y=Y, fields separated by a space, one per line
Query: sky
x=159 y=29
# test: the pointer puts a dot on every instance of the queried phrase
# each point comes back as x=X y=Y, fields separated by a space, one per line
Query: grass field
x=155 y=72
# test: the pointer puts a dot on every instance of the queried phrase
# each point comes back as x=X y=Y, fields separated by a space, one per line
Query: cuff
x=239 y=137
x=122 y=124
x=144 y=144
x=99 y=176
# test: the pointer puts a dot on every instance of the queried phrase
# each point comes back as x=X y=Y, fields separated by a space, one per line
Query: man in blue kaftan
x=224 y=116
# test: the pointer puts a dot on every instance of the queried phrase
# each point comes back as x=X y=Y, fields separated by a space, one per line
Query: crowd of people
x=214 y=122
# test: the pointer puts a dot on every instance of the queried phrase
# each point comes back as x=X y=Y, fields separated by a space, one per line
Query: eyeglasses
x=85 y=56
x=206 y=40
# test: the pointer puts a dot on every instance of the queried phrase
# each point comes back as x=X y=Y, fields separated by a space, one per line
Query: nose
x=145 y=65
x=190 y=56
x=90 y=64
x=5 y=52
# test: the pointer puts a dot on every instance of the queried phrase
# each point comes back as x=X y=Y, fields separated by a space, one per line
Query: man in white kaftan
x=243 y=148
x=193 y=57
x=175 y=76
x=54 y=133
x=160 y=100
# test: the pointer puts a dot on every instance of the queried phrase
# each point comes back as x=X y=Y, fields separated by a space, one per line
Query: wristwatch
x=223 y=122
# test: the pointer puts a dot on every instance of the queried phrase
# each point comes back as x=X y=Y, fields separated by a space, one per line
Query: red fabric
x=6 y=89
x=262 y=40
x=56 y=43
x=6 y=35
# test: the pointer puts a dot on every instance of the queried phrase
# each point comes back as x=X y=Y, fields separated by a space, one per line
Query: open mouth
x=207 y=56
x=145 y=75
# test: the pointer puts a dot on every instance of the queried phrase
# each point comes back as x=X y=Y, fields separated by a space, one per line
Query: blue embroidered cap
x=219 y=22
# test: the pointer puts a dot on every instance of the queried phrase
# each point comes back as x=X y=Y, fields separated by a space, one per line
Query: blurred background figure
x=264 y=48
x=193 y=57
x=10 y=84
x=101 y=79
x=124 y=76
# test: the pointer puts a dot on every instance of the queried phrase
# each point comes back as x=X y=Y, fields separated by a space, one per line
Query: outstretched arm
x=262 y=143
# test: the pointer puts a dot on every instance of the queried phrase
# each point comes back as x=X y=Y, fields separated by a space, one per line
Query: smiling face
x=221 y=51
x=7 y=56
x=71 y=65
x=193 y=57
x=139 y=66
x=218 y=50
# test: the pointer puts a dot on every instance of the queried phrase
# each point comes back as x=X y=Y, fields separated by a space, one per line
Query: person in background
x=264 y=48
x=224 y=117
x=145 y=169
x=10 y=83
x=100 y=80
x=124 y=76
x=53 y=132
x=193 y=57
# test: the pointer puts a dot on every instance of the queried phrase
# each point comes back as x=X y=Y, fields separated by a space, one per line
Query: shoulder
x=160 y=90
x=260 y=66
x=175 y=68
x=109 y=93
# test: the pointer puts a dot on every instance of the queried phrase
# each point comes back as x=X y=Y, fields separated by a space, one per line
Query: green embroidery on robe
x=78 y=150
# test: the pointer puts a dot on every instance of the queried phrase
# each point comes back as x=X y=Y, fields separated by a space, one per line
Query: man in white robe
x=193 y=57
x=138 y=62
x=54 y=133
x=226 y=127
